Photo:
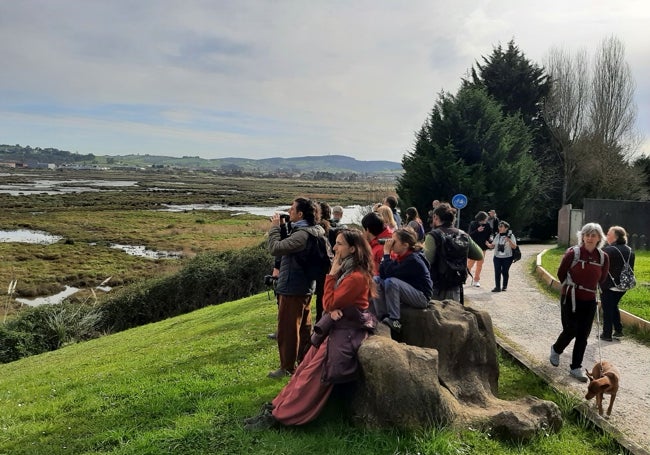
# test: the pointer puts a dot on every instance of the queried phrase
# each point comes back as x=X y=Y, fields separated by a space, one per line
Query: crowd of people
x=387 y=264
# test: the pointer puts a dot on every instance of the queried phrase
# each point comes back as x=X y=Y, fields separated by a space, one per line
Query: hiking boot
x=279 y=373
x=261 y=422
x=554 y=358
x=606 y=337
x=579 y=374
x=496 y=290
x=618 y=334
x=394 y=324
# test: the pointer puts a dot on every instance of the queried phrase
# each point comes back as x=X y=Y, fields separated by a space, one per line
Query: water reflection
x=28 y=236
x=43 y=186
x=142 y=251
x=351 y=213
x=52 y=299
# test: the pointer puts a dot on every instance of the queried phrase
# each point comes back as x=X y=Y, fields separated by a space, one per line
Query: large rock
x=444 y=372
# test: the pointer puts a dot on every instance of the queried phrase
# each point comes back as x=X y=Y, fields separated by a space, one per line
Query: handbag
x=516 y=254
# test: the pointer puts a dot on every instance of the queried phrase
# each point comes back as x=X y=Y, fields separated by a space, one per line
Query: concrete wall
x=569 y=222
x=633 y=216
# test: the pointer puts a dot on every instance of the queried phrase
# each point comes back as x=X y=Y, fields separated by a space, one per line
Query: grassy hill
x=325 y=163
x=183 y=386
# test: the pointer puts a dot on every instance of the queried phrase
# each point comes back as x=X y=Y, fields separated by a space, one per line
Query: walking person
x=294 y=287
x=619 y=254
x=332 y=358
x=504 y=242
x=405 y=279
x=582 y=270
x=481 y=232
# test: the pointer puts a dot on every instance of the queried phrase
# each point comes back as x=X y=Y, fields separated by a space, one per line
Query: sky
x=261 y=79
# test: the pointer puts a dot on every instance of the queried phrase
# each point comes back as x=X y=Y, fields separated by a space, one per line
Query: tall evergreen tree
x=468 y=145
x=520 y=86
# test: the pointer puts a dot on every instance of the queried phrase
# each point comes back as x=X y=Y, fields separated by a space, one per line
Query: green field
x=184 y=386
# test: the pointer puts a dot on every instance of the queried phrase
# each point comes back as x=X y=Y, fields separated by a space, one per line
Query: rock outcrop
x=443 y=371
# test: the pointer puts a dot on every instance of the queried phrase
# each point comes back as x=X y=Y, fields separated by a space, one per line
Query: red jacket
x=587 y=273
x=378 y=249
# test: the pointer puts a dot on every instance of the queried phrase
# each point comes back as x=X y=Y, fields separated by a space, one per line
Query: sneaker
x=606 y=337
x=554 y=358
x=579 y=374
x=279 y=373
x=272 y=336
x=496 y=290
x=394 y=324
x=503 y=289
x=476 y=284
x=618 y=334
x=261 y=422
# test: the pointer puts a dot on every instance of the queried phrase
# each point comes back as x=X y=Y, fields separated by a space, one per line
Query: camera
x=382 y=241
x=270 y=280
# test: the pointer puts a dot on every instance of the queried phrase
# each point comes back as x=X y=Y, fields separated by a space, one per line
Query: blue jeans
x=393 y=291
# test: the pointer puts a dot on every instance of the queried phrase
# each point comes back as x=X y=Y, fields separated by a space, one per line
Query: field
x=90 y=221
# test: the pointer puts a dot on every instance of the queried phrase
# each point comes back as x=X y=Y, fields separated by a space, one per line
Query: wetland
x=92 y=214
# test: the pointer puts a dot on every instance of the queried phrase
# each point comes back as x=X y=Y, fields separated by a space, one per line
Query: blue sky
x=261 y=79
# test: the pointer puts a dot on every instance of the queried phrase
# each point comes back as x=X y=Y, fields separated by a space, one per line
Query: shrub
x=207 y=279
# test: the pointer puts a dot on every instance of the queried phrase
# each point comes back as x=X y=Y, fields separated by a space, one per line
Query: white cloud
x=260 y=79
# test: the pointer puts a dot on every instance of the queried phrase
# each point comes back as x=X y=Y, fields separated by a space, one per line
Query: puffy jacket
x=412 y=268
x=292 y=279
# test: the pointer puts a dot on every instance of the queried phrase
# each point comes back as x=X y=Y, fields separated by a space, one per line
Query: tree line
x=525 y=139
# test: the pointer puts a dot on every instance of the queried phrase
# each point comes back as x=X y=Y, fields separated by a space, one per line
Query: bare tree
x=564 y=110
x=591 y=116
x=612 y=110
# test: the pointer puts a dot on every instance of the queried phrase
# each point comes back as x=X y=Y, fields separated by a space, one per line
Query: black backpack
x=449 y=268
x=316 y=259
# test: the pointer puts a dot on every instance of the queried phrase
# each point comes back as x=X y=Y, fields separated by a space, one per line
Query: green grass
x=183 y=386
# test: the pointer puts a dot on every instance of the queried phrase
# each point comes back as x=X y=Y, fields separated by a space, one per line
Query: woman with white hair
x=582 y=270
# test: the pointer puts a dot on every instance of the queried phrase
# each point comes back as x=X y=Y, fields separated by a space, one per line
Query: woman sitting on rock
x=337 y=336
x=405 y=279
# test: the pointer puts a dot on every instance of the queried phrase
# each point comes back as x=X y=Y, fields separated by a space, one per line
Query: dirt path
x=528 y=321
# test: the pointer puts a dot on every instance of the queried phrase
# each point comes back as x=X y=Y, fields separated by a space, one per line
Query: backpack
x=449 y=268
x=316 y=259
x=626 y=279
x=568 y=281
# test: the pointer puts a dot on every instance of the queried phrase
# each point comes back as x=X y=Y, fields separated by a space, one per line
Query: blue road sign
x=459 y=201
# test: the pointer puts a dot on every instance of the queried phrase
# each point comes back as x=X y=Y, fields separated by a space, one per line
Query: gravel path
x=527 y=321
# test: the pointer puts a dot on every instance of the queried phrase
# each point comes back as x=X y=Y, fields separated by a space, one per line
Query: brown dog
x=604 y=378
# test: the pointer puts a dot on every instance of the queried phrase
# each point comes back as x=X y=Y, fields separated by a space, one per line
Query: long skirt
x=304 y=396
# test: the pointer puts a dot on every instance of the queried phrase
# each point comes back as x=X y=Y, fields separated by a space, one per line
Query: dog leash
x=600 y=354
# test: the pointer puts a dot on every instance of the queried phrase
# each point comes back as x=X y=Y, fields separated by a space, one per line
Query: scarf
x=347 y=267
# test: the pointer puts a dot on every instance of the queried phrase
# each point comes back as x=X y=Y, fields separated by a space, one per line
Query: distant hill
x=324 y=163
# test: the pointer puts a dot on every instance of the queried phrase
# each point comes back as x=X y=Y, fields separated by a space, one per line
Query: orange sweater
x=353 y=291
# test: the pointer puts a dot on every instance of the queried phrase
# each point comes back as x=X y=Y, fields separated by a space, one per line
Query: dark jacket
x=412 y=269
x=345 y=338
x=293 y=279
x=618 y=253
x=480 y=237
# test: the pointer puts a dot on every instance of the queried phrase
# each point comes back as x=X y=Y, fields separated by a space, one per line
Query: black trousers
x=575 y=325
x=611 y=314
